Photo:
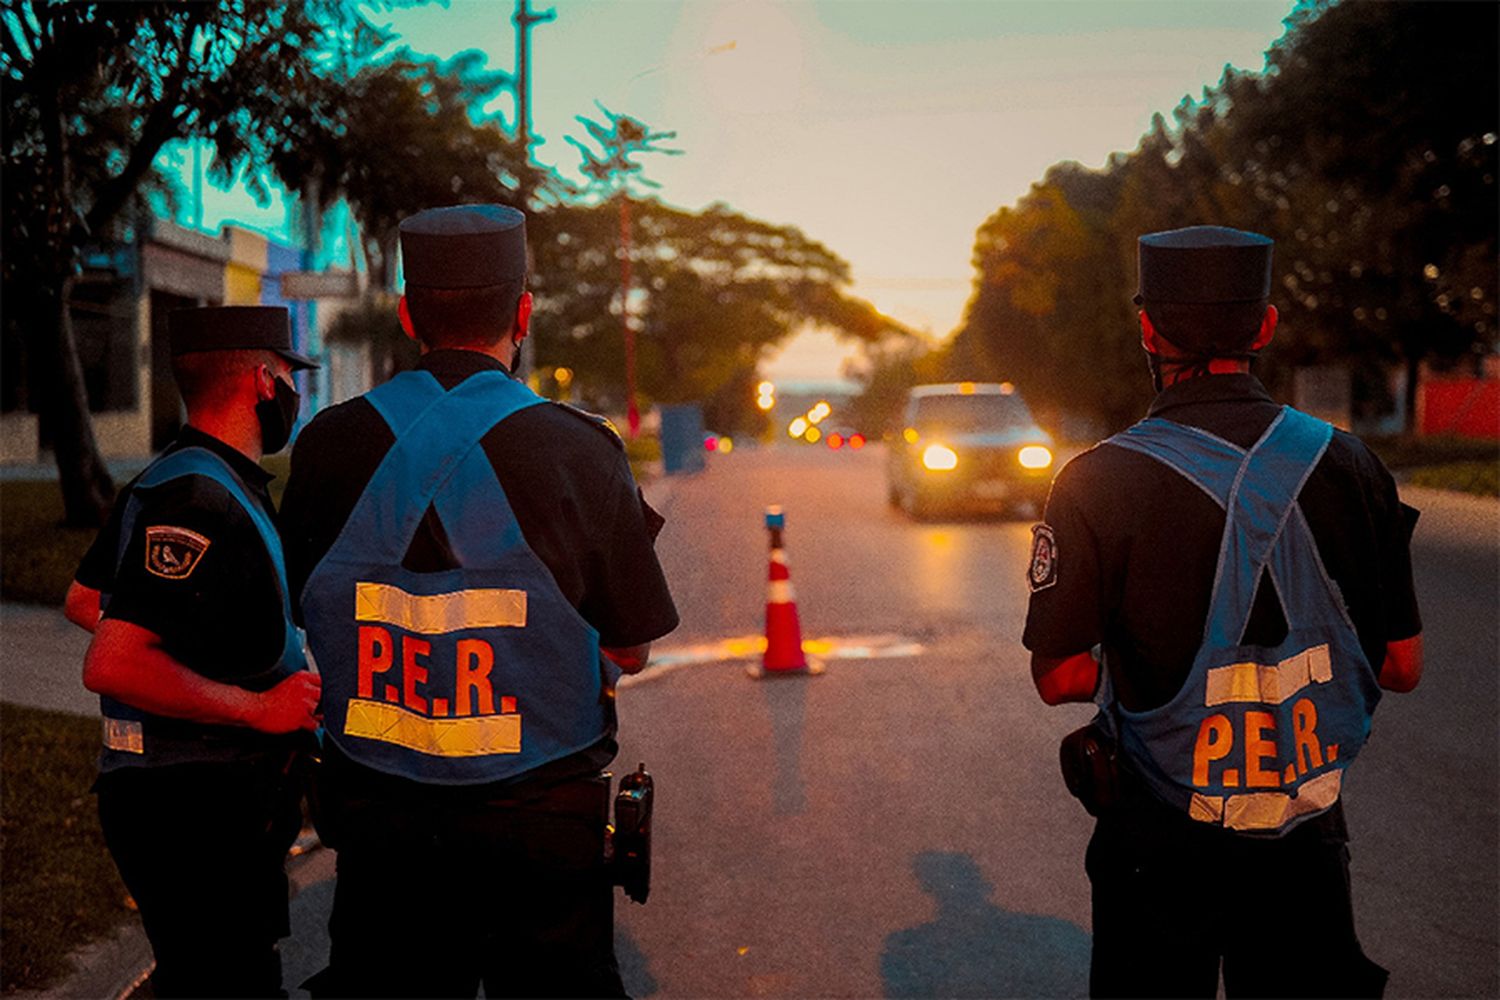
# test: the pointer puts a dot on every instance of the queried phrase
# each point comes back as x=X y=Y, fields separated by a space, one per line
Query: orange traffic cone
x=783 y=631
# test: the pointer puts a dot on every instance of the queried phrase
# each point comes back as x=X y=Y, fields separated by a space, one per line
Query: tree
x=1367 y=150
x=1050 y=310
x=1379 y=122
x=93 y=93
x=716 y=290
x=428 y=145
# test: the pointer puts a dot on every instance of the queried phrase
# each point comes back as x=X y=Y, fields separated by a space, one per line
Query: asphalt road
x=897 y=826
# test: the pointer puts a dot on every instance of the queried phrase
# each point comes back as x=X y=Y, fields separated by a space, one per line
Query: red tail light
x=856 y=441
x=835 y=441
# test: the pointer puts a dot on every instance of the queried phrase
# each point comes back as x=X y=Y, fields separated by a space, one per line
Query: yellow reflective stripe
x=472 y=736
x=124 y=735
x=1206 y=808
x=1252 y=682
x=1271 y=810
x=431 y=614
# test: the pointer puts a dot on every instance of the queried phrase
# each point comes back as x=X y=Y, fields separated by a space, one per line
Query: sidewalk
x=122 y=469
x=43 y=662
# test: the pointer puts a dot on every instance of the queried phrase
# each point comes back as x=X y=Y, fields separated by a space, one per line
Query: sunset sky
x=887 y=130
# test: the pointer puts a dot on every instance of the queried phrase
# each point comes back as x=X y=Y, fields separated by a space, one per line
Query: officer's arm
x=631 y=659
x=127 y=663
x=1060 y=679
x=1402 y=669
x=81 y=606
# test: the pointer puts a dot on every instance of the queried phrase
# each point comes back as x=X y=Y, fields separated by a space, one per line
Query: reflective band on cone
x=783 y=630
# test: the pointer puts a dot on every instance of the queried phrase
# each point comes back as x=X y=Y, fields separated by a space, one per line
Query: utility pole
x=525 y=19
x=632 y=410
x=611 y=168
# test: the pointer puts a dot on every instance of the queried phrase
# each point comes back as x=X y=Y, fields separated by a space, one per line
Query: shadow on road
x=976 y=949
x=786 y=703
x=635 y=967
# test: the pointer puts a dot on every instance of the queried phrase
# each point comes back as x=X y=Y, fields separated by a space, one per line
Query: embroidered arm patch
x=1042 y=571
x=173 y=553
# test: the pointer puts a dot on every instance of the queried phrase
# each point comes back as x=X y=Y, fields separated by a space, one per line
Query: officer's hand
x=290 y=705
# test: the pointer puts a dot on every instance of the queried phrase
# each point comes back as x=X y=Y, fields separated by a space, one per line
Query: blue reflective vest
x=467 y=675
x=1258 y=737
x=134 y=738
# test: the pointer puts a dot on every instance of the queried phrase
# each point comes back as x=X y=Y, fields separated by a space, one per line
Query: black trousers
x=201 y=847
x=1171 y=905
x=440 y=889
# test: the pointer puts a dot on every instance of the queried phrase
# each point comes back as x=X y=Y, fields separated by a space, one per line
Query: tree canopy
x=400 y=134
x=93 y=93
x=1366 y=149
x=714 y=291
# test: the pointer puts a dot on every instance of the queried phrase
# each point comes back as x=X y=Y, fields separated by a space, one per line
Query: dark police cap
x=1204 y=264
x=464 y=246
x=234 y=328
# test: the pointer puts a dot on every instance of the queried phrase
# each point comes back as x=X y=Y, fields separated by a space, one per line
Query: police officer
x=1243 y=572
x=478 y=568
x=200 y=670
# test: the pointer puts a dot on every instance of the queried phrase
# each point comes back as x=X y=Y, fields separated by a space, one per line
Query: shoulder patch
x=1041 y=573
x=173 y=553
x=602 y=424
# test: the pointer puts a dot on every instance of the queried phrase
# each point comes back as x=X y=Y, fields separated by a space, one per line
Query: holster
x=1091 y=768
x=628 y=844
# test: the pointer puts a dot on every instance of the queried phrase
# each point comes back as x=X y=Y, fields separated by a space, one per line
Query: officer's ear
x=1267 y=329
x=404 y=312
x=523 y=315
x=265 y=381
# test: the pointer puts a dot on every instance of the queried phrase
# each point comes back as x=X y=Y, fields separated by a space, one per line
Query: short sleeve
x=1064 y=616
x=187 y=575
x=97 y=569
x=626 y=595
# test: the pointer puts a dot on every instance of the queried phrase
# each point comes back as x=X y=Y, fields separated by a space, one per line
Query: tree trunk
x=87 y=489
x=1413 y=375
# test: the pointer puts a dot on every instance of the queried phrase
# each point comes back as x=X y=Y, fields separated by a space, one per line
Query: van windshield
x=971 y=414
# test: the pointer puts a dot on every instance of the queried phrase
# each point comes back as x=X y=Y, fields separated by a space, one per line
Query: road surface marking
x=750 y=647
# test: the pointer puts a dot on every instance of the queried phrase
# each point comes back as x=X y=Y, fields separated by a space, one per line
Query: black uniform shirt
x=1137 y=546
x=568 y=482
x=195 y=569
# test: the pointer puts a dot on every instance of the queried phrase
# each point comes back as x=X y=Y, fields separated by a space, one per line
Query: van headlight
x=939 y=458
x=1034 y=456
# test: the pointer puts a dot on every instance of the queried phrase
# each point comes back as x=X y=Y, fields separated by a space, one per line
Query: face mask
x=276 y=417
x=515 y=361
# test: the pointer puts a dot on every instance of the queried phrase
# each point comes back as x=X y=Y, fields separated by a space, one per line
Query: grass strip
x=1479 y=478
x=1412 y=451
x=40 y=554
x=61 y=886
